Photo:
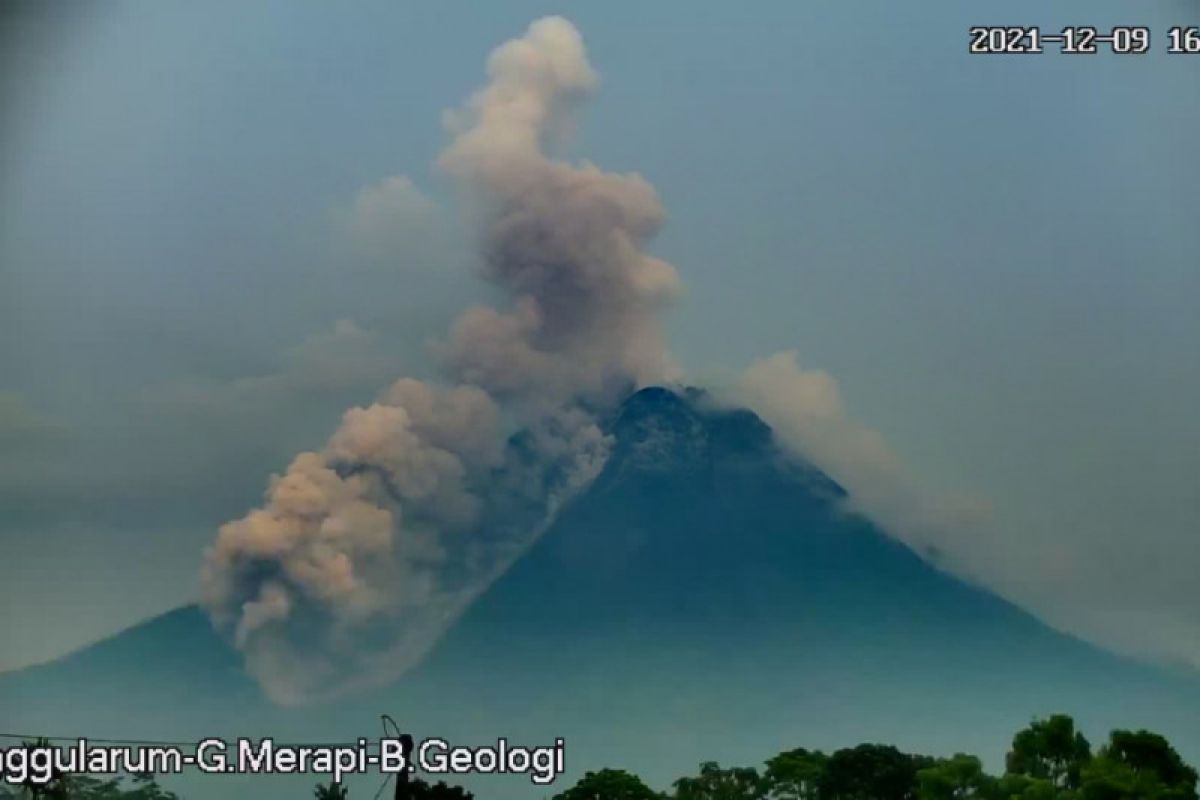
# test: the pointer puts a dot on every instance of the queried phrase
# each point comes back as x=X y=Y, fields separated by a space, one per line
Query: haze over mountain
x=707 y=597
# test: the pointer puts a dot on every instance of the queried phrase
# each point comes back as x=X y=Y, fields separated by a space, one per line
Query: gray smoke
x=805 y=409
x=364 y=552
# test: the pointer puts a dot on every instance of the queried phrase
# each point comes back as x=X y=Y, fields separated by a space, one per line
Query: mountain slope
x=708 y=585
x=707 y=597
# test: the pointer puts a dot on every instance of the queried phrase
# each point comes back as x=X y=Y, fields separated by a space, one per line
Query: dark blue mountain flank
x=707 y=597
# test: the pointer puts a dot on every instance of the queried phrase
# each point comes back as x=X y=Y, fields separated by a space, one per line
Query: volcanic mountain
x=709 y=596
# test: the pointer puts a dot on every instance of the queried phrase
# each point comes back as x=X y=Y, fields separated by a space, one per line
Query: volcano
x=708 y=597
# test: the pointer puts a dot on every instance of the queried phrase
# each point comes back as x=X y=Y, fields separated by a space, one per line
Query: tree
x=1023 y=787
x=1138 y=766
x=334 y=791
x=954 y=779
x=1146 y=752
x=421 y=790
x=871 y=772
x=609 y=784
x=1106 y=779
x=1050 y=749
x=795 y=774
x=714 y=783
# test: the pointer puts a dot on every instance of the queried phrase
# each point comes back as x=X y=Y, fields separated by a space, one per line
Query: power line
x=385 y=720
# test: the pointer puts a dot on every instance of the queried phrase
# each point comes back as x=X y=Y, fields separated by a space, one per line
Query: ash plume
x=365 y=551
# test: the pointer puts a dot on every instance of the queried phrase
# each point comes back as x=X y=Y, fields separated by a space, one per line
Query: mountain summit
x=709 y=596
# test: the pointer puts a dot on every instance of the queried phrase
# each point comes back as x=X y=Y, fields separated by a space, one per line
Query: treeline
x=1049 y=760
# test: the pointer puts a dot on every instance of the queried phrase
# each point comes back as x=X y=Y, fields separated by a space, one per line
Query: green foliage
x=715 y=783
x=1023 y=787
x=609 y=784
x=1049 y=760
x=955 y=778
x=1138 y=766
x=1050 y=749
x=334 y=791
x=421 y=790
x=871 y=772
x=795 y=774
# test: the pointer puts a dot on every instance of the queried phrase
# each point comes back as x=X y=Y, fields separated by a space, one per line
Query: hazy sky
x=203 y=262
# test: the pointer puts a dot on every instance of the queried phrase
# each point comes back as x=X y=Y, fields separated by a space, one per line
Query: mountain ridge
x=708 y=583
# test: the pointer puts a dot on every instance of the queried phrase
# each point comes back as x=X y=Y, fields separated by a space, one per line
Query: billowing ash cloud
x=565 y=241
x=365 y=551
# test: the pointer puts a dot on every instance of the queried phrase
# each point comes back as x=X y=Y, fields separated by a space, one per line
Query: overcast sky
x=220 y=226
